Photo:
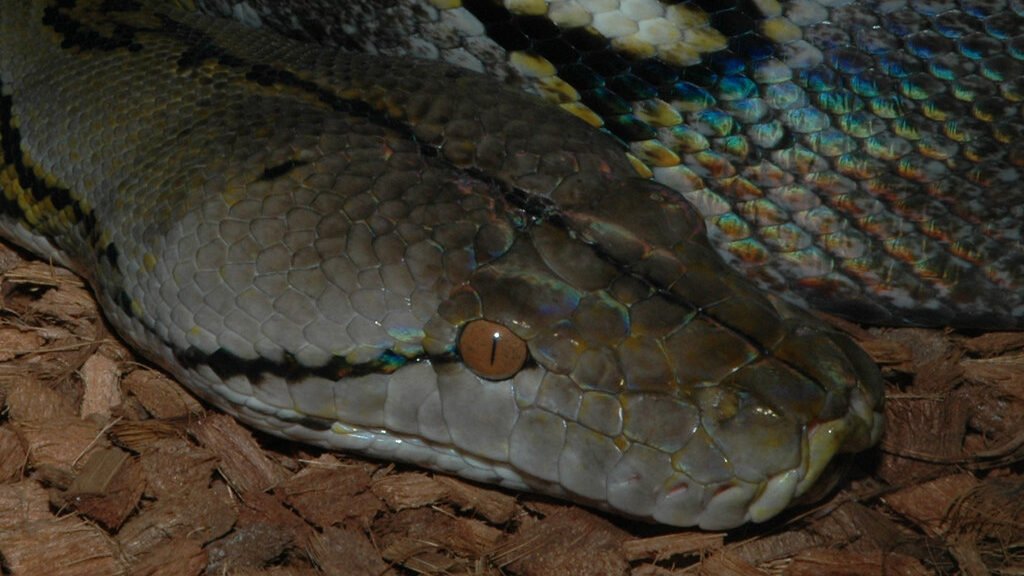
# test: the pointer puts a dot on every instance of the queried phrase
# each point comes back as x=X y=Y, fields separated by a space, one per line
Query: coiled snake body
x=417 y=263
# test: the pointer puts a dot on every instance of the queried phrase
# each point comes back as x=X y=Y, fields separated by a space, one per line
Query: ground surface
x=108 y=467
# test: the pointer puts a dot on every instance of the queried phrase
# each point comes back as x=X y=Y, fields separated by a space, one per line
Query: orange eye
x=491 y=350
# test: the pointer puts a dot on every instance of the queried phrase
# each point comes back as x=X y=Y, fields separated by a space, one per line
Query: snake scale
x=414 y=261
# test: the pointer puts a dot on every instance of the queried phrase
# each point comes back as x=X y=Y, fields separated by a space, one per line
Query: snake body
x=860 y=157
x=314 y=241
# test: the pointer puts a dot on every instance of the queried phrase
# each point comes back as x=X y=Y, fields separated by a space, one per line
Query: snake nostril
x=491 y=350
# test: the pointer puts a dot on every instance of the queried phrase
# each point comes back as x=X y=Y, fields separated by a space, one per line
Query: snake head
x=653 y=380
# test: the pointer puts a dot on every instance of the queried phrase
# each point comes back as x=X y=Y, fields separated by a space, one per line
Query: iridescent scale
x=861 y=157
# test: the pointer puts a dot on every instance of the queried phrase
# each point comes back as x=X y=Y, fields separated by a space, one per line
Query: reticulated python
x=409 y=260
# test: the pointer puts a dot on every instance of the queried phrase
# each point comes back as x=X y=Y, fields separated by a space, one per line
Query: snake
x=424 y=263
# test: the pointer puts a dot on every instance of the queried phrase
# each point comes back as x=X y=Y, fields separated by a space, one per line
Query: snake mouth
x=681 y=501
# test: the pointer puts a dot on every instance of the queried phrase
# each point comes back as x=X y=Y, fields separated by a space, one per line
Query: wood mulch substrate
x=108 y=467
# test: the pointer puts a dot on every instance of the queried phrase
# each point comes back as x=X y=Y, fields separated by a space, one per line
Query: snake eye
x=491 y=350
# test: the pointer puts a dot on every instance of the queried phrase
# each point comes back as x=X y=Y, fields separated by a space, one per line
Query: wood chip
x=100 y=385
x=13 y=456
x=202 y=515
x=331 y=495
x=21 y=504
x=497 y=506
x=29 y=400
x=923 y=434
x=929 y=503
x=857 y=527
x=772 y=547
x=261 y=509
x=888 y=353
x=421 y=537
x=69 y=300
x=60 y=442
x=65 y=547
x=573 y=542
x=141 y=435
x=243 y=462
x=248 y=547
x=107 y=488
x=990 y=514
x=173 y=466
x=669 y=545
x=995 y=343
x=1006 y=372
x=15 y=342
x=161 y=396
x=985 y=527
x=727 y=564
x=414 y=490
x=176 y=557
x=830 y=562
x=347 y=552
